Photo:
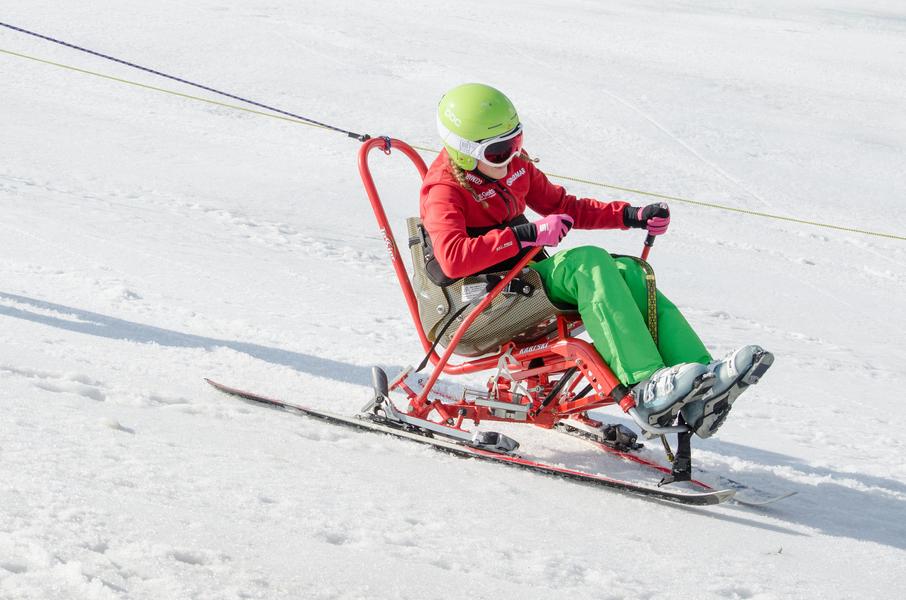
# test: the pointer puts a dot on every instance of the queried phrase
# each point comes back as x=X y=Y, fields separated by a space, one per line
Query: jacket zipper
x=506 y=201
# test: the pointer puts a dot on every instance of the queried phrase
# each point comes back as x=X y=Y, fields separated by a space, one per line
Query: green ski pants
x=612 y=298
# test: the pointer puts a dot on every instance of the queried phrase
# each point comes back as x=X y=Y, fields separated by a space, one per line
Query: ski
x=376 y=424
x=745 y=495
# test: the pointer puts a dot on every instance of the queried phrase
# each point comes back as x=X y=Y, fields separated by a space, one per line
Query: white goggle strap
x=461 y=144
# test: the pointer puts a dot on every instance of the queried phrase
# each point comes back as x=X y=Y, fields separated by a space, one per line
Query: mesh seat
x=510 y=317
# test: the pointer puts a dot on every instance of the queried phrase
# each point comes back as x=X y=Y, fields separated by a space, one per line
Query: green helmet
x=473 y=112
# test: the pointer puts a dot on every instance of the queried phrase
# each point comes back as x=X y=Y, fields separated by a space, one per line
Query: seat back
x=509 y=317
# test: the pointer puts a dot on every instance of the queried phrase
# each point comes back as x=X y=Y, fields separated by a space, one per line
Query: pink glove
x=543 y=232
x=654 y=217
x=658 y=225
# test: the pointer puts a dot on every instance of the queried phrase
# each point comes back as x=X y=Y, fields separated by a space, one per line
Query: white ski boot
x=661 y=397
x=732 y=375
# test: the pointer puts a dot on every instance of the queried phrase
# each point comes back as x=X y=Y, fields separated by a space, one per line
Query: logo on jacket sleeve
x=515 y=176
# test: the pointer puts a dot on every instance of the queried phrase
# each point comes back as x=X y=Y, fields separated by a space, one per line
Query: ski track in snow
x=147 y=242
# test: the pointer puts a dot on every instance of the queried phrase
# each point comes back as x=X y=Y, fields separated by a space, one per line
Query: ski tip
x=218 y=386
x=709 y=498
x=721 y=496
x=757 y=503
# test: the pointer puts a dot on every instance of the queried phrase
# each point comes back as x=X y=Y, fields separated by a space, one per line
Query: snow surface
x=148 y=241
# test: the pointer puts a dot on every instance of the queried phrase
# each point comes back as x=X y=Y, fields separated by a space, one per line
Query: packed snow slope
x=148 y=241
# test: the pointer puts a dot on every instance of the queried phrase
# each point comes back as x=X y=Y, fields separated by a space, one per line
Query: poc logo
x=448 y=112
x=515 y=176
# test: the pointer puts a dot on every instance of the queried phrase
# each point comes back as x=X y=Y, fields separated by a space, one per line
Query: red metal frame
x=539 y=365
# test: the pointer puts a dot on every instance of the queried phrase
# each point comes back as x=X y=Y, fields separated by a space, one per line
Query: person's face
x=492 y=171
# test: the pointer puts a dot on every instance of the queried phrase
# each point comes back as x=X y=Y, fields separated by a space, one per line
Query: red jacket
x=447 y=210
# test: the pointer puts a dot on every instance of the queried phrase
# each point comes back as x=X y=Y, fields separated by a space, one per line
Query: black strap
x=440 y=335
x=651 y=292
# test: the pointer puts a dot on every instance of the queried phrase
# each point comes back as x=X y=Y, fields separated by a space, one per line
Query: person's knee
x=590 y=256
x=630 y=268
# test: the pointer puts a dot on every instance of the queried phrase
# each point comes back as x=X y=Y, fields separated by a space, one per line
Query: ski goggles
x=497 y=151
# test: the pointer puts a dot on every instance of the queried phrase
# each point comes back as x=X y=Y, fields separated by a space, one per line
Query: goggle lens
x=502 y=151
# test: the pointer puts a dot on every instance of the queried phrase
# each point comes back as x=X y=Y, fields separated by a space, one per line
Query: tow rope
x=357 y=136
x=293 y=117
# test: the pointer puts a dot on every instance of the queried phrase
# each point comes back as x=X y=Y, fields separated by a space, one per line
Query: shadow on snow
x=871 y=514
x=870 y=510
x=118 y=329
